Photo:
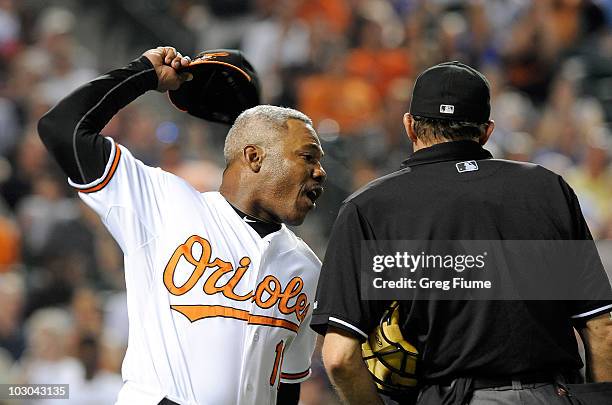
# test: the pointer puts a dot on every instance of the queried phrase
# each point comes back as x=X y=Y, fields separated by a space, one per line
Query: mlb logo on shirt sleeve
x=468 y=166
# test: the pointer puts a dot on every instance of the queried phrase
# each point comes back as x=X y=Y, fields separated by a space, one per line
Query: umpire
x=476 y=352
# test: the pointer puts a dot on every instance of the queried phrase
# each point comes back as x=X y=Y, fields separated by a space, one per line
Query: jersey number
x=278 y=361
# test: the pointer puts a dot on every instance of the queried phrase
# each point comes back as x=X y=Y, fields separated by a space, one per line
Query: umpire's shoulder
x=379 y=188
x=527 y=171
x=519 y=166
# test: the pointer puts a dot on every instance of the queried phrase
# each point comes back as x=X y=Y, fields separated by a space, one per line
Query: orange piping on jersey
x=276 y=322
x=109 y=176
x=294 y=376
x=197 y=312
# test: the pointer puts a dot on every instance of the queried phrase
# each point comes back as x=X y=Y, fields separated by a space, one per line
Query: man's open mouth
x=314 y=193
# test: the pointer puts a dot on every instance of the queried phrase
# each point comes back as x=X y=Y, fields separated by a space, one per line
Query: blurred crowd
x=348 y=64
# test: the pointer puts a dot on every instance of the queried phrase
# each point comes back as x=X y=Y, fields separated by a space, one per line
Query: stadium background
x=349 y=64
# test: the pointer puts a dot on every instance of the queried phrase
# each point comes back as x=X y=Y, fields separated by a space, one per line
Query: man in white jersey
x=219 y=290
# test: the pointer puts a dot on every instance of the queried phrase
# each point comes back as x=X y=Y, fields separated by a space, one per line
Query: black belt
x=484 y=383
x=166 y=401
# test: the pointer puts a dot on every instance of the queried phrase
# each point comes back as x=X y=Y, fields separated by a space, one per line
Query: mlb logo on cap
x=469 y=166
x=447 y=109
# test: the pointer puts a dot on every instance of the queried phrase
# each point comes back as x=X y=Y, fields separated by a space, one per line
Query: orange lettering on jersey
x=201 y=264
x=210 y=286
x=272 y=289
x=300 y=307
x=271 y=286
x=268 y=293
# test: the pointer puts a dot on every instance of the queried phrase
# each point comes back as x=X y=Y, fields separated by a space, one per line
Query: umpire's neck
x=418 y=143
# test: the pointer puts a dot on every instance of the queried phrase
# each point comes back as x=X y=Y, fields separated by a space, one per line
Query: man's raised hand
x=167 y=63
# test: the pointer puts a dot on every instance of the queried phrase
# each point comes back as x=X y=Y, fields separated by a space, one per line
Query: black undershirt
x=261 y=227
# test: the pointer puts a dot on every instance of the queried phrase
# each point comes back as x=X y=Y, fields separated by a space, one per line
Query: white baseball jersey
x=217 y=314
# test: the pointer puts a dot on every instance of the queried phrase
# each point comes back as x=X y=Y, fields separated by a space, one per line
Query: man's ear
x=253 y=156
x=408 y=121
x=485 y=137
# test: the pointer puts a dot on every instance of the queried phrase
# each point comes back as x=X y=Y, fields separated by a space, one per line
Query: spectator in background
x=69 y=64
x=374 y=60
x=529 y=56
x=352 y=102
x=8 y=125
x=28 y=164
x=218 y=23
x=334 y=15
x=12 y=296
x=100 y=380
x=10 y=28
x=277 y=41
x=75 y=237
x=592 y=181
x=558 y=127
x=6 y=364
x=62 y=351
x=394 y=103
x=10 y=254
x=40 y=211
x=49 y=334
x=96 y=386
x=135 y=126
x=86 y=310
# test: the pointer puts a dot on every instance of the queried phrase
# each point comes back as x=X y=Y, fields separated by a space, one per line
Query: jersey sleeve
x=296 y=359
x=129 y=197
x=338 y=298
x=126 y=194
x=591 y=278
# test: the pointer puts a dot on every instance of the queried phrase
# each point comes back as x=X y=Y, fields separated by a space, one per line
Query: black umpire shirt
x=430 y=199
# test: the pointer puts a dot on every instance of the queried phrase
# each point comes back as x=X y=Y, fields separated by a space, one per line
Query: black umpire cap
x=451 y=91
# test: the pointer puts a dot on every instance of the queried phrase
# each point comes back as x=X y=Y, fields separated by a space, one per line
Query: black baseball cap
x=452 y=91
x=224 y=84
